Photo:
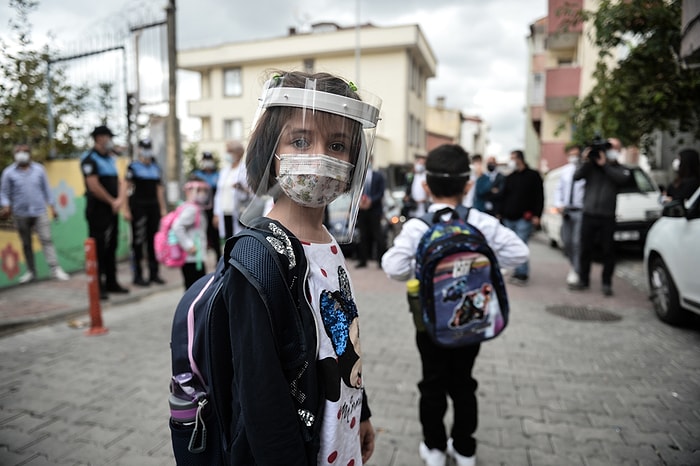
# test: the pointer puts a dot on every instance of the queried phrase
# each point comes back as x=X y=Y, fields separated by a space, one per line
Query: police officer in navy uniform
x=145 y=208
x=209 y=172
x=105 y=196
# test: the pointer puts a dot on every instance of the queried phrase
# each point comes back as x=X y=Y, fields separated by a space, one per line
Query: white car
x=671 y=258
x=637 y=208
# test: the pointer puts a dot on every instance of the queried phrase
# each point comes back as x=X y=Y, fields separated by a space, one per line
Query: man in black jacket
x=604 y=175
x=523 y=201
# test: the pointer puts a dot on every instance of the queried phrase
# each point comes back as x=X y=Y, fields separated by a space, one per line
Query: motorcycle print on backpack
x=462 y=292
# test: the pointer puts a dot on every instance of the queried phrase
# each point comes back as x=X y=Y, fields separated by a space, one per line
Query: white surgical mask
x=109 y=145
x=227 y=158
x=419 y=168
x=512 y=164
x=612 y=155
x=208 y=165
x=675 y=164
x=22 y=157
x=202 y=198
x=313 y=180
x=146 y=153
x=573 y=159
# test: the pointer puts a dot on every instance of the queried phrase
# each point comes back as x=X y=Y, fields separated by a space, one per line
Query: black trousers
x=597 y=235
x=372 y=244
x=213 y=241
x=190 y=274
x=448 y=371
x=145 y=220
x=104 y=228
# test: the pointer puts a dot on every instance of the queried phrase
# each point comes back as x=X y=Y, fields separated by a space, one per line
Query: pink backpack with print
x=167 y=249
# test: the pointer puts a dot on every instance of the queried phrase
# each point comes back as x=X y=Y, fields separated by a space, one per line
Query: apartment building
x=394 y=64
x=561 y=63
x=446 y=125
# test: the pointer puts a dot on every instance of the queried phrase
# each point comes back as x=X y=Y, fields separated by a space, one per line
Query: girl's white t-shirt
x=339 y=357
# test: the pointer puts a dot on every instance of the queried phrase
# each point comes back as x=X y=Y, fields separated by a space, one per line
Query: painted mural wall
x=69 y=230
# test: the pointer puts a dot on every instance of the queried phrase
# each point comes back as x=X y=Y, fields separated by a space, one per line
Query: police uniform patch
x=87 y=169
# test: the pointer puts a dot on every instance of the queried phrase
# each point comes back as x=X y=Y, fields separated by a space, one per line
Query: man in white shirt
x=568 y=200
x=232 y=192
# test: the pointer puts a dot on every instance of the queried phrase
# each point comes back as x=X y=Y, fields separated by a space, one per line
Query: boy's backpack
x=165 y=245
x=462 y=293
x=201 y=356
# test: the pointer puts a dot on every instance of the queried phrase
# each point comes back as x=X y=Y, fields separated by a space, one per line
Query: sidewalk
x=552 y=391
x=46 y=301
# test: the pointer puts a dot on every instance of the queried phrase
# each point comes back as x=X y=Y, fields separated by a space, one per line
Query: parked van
x=638 y=207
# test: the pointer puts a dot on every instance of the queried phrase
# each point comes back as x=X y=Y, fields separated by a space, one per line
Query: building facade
x=562 y=59
x=450 y=126
x=394 y=64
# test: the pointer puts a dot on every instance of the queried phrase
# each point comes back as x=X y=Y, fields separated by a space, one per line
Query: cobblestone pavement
x=552 y=390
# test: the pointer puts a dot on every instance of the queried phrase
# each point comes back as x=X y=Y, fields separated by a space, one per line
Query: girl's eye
x=300 y=143
x=337 y=147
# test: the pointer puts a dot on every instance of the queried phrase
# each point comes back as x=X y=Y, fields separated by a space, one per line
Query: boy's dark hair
x=476 y=158
x=447 y=170
x=265 y=136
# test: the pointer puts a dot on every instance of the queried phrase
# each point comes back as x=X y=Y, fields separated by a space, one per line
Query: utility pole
x=174 y=151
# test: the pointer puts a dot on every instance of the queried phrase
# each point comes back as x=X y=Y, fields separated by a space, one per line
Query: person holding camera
x=604 y=176
x=568 y=200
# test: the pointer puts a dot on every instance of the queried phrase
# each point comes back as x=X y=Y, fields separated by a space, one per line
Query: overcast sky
x=480 y=45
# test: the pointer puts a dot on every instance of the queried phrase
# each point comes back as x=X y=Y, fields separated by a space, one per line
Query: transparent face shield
x=198 y=192
x=309 y=152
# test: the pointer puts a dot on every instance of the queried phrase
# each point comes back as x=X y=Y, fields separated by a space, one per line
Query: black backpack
x=462 y=293
x=200 y=387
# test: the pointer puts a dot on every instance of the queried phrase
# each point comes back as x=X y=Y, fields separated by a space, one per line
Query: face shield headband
x=318 y=115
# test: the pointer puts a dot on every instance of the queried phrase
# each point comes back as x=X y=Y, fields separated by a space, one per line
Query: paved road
x=552 y=391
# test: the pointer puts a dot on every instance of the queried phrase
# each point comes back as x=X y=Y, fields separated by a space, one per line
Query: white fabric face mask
x=612 y=155
x=675 y=165
x=313 y=180
x=512 y=164
x=22 y=158
x=419 y=168
x=573 y=159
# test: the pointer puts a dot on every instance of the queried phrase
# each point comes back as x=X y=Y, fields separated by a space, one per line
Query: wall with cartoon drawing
x=69 y=230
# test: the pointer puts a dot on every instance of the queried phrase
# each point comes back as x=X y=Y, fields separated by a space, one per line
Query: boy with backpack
x=448 y=370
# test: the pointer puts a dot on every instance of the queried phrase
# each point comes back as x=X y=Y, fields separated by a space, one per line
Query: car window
x=639 y=183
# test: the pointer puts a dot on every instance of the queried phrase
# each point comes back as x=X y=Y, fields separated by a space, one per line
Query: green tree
x=648 y=89
x=24 y=92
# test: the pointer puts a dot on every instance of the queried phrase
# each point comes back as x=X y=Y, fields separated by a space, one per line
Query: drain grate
x=583 y=313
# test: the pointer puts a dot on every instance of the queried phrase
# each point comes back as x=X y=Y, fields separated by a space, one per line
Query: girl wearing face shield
x=308 y=152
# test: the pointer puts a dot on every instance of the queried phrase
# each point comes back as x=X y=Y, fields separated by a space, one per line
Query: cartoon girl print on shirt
x=340 y=321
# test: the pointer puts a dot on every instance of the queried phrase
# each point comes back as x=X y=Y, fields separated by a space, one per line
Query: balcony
x=562 y=33
x=562 y=88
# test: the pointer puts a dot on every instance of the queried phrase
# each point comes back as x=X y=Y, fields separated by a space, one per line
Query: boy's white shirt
x=399 y=261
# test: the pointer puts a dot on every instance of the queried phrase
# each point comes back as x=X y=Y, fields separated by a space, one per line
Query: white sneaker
x=572 y=277
x=460 y=460
x=27 y=277
x=432 y=456
x=59 y=274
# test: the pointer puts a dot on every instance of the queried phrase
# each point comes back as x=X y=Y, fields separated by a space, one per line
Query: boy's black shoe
x=361 y=265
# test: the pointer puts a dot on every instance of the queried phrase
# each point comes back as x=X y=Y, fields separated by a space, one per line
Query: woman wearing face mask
x=309 y=147
x=190 y=228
